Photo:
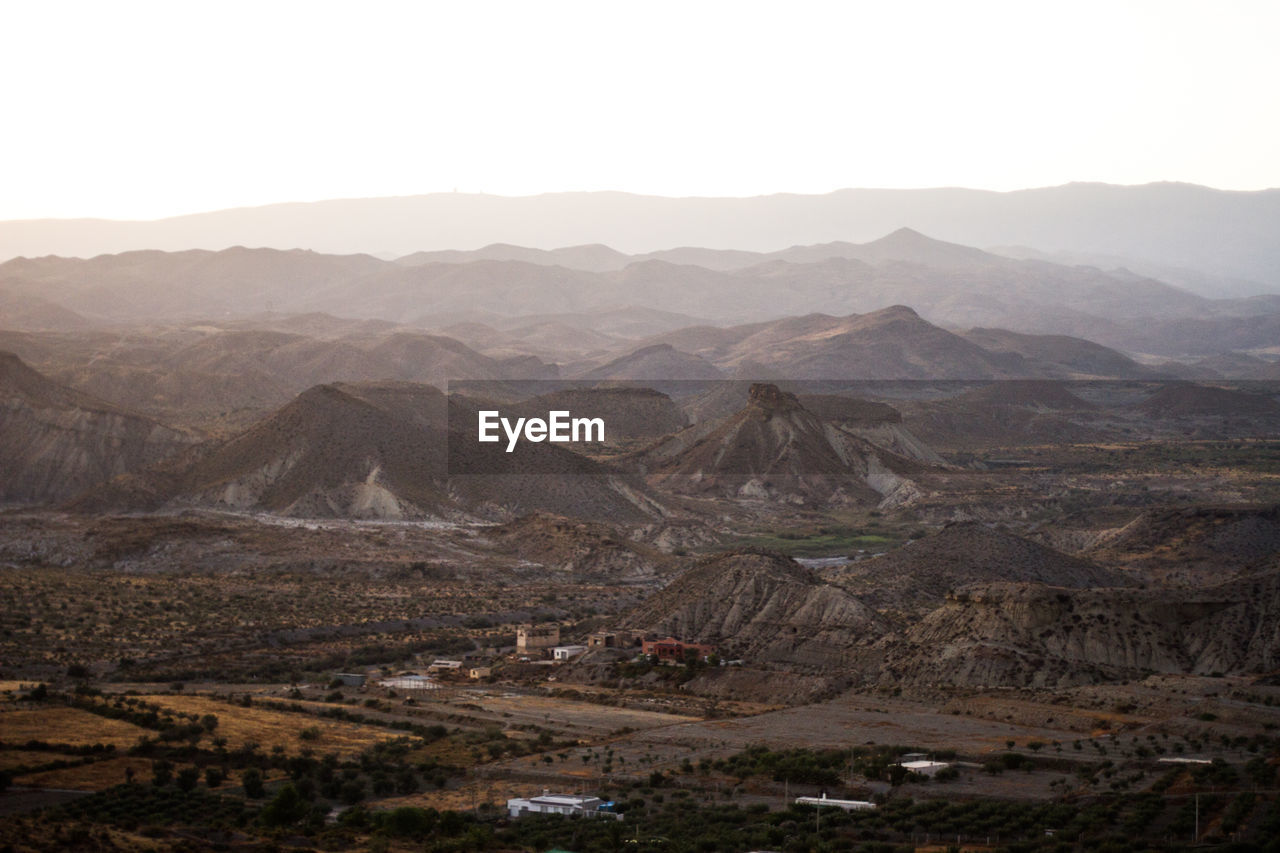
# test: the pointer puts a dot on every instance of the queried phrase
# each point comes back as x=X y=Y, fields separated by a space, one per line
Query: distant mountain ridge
x=537 y=303
x=1223 y=233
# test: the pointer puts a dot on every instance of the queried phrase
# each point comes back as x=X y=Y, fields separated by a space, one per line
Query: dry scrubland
x=1052 y=606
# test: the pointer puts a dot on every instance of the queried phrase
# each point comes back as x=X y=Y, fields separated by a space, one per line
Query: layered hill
x=350 y=450
x=585 y=551
x=630 y=413
x=1196 y=546
x=205 y=374
x=775 y=449
x=1060 y=356
x=893 y=343
x=1048 y=395
x=1028 y=635
x=1009 y=413
x=762 y=607
x=56 y=442
x=878 y=423
x=380 y=450
x=148 y=284
x=946 y=283
x=1188 y=400
x=661 y=362
x=910 y=581
x=896 y=343
x=29 y=311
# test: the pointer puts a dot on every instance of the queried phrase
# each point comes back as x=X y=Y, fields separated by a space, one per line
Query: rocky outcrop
x=913 y=580
x=775 y=449
x=763 y=607
x=1194 y=546
x=382 y=450
x=55 y=442
x=581 y=551
x=1031 y=635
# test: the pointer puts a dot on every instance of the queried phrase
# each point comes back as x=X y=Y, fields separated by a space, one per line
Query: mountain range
x=1218 y=241
x=504 y=305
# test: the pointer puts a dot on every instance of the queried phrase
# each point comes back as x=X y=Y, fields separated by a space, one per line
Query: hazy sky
x=141 y=110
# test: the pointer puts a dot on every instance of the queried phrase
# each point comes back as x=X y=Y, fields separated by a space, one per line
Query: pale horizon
x=144 y=110
x=317 y=201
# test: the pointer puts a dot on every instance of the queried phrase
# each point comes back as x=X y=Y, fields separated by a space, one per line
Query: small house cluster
x=538 y=648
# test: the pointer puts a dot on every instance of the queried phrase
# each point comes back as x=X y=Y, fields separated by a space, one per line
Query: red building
x=669 y=648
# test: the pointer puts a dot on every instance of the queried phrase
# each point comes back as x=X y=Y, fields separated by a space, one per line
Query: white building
x=567 y=652
x=847 y=805
x=565 y=804
x=925 y=768
x=410 y=682
x=441 y=665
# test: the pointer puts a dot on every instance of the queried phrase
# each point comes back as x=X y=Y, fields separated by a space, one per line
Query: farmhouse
x=925 y=768
x=566 y=804
x=671 y=649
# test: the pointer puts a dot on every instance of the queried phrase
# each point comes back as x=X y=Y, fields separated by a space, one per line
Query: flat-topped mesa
x=767 y=399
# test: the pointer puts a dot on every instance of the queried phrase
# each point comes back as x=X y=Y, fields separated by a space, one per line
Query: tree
x=406 y=781
x=409 y=822
x=352 y=791
x=251 y=779
x=161 y=772
x=286 y=808
x=188 y=778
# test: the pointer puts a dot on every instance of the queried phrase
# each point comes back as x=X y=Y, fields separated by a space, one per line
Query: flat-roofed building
x=925 y=768
x=410 y=682
x=567 y=652
x=846 y=805
x=351 y=679
x=445 y=666
x=565 y=804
